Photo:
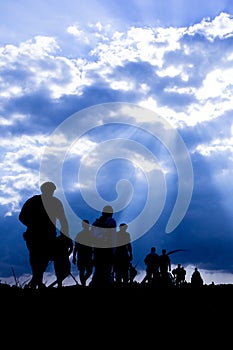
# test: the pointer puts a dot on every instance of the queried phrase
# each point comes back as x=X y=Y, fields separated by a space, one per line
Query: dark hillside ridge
x=117 y=315
x=209 y=298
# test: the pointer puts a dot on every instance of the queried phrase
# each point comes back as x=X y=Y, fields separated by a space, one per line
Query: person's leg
x=37 y=272
x=88 y=270
x=82 y=275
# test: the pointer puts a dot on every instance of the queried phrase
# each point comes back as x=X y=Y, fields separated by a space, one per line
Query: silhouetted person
x=83 y=252
x=182 y=275
x=196 y=279
x=132 y=272
x=63 y=250
x=104 y=235
x=123 y=255
x=179 y=274
x=165 y=267
x=152 y=266
x=40 y=214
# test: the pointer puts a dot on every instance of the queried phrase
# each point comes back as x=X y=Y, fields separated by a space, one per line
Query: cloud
x=181 y=73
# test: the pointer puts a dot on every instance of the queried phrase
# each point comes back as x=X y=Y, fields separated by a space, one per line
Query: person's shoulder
x=56 y=201
x=96 y=222
x=111 y=219
x=33 y=199
x=111 y=222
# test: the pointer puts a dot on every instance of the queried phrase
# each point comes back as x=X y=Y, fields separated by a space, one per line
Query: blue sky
x=127 y=102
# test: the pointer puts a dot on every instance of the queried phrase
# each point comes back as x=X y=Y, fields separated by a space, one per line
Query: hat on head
x=107 y=209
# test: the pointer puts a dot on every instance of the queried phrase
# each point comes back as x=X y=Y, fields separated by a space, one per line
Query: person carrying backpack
x=104 y=236
x=40 y=214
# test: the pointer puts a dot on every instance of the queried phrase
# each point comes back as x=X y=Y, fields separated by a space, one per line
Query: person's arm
x=70 y=247
x=63 y=221
x=169 y=263
x=130 y=250
x=75 y=250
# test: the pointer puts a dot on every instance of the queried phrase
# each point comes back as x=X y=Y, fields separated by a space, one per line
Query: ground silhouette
x=207 y=301
x=133 y=315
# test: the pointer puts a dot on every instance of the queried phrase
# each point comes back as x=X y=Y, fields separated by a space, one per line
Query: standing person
x=62 y=251
x=40 y=214
x=179 y=275
x=132 y=273
x=104 y=232
x=196 y=279
x=165 y=267
x=152 y=266
x=83 y=252
x=123 y=255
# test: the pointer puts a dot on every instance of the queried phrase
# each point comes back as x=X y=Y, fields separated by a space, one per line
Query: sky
x=127 y=103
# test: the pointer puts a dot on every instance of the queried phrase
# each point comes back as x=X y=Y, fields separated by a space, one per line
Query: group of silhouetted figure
x=158 y=271
x=101 y=251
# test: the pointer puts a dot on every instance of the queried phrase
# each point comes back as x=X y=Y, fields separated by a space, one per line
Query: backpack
x=100 y=230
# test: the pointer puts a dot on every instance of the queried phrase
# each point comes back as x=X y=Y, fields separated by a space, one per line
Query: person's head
x=107 y=210
x=123 y=227
x=153 y=249
x=48 y=188
x=163 y=251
